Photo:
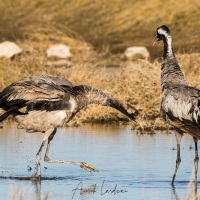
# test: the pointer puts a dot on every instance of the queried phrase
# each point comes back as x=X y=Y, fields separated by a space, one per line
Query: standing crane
x=180 y=105
x=51 y=102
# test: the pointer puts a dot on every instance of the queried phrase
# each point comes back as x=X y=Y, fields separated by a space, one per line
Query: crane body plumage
x=51 y=102
x=180 y=105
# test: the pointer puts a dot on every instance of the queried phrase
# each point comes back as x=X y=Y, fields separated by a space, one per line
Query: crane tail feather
x=9 y=112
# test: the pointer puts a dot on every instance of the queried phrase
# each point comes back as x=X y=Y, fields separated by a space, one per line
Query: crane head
x=132 y=112
x=161 y=32
x=134 y=115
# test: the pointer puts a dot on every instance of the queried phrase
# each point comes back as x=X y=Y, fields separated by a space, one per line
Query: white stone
x=59 y=51
x=9 y=49
x=132 y=52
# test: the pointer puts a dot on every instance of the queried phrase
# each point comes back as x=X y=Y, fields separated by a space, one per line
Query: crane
x=180 y=105
x=51 y=102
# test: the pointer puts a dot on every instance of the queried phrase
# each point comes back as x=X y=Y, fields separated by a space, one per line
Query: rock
x=9 y=49
x=58 y=51
x=136 y=52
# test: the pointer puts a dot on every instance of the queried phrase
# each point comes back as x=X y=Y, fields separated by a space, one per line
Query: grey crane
x=51 y=102
x=180 y=105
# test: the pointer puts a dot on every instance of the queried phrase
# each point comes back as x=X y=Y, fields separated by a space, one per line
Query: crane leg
x=195 y=176
x=196 y=161
x=196 y=148
x=178 y=135
x=81 y=164
x=38 y=155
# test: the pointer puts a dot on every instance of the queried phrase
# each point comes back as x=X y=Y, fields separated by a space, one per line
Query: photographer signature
x=93 y=189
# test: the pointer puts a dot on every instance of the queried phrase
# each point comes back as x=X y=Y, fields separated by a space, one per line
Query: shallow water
x=139 y=166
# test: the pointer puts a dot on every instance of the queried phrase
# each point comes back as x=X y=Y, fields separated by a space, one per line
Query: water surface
x=131 y=166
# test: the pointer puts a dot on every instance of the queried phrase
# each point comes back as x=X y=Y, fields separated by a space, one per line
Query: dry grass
x=136 y=83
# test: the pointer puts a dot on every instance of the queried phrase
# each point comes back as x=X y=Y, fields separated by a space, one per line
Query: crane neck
x=90 y=95
x=87 y=95
x=171 y=73
x=168 y=49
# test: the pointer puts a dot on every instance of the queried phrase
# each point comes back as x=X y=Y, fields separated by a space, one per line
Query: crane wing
x=52 y=79
x=34 y=89
x=182 y=103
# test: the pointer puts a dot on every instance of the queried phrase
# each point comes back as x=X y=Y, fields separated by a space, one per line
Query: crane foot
x=88 y=167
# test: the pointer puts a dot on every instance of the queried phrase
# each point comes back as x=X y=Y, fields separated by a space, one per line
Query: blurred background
x=116 y=24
